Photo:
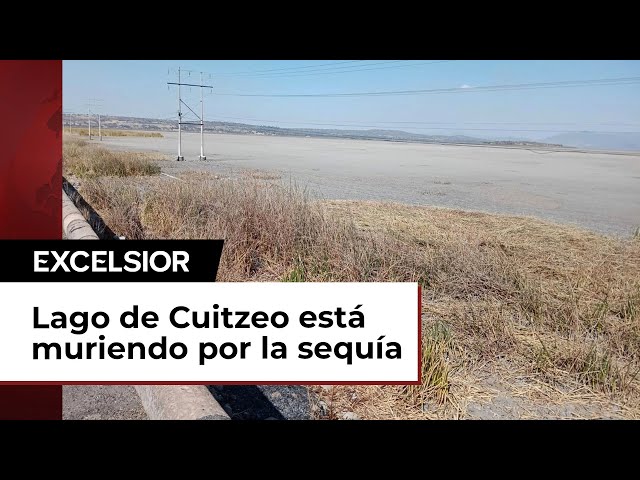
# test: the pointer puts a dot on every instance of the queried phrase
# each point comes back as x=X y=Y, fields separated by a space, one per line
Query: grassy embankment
x=521 y=318
x=110 y=132
x=85 y=160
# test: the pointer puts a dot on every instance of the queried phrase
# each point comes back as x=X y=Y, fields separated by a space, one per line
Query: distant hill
x=598 y=141
x=153 y=124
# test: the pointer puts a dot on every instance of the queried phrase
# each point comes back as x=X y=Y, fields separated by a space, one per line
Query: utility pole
x=180 y=157
x=94 y=102
x=202 y=157
x=200 y=117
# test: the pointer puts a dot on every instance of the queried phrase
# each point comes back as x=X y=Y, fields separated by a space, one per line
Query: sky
x=139 y=88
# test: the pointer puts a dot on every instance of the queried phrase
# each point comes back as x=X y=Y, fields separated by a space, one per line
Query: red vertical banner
x=30 y=190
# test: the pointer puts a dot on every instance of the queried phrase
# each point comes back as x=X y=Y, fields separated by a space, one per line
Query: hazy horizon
x=523 y=105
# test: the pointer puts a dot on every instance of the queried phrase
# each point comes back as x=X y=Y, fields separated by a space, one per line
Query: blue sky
x=138 y=88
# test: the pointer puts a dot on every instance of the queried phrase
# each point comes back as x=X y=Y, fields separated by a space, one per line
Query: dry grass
x=83 y=160
x=84 y=132
x=260 y=175
x=522 y=318
x=270 y=232
x=435 y=383
x=552 y=303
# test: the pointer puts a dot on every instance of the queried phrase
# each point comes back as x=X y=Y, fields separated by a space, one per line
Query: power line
x=286 y=68
x=486 y=88
x=350 y=69
x=344 y=69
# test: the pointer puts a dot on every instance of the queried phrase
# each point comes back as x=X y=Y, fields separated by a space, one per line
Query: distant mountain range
x=587 y=140
x=598 y=141
x=134 y=123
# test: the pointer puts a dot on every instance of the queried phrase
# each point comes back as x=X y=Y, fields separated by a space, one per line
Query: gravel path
x=101 y=402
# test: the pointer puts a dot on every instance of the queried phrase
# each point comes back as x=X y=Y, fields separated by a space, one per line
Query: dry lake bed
x=598 y=191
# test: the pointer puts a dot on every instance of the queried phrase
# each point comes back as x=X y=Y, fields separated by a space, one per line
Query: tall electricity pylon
x=200 y=117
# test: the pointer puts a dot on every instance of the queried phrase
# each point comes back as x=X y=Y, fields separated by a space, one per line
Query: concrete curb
x=180 y=402
x=160 y=402
x=74 y=225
